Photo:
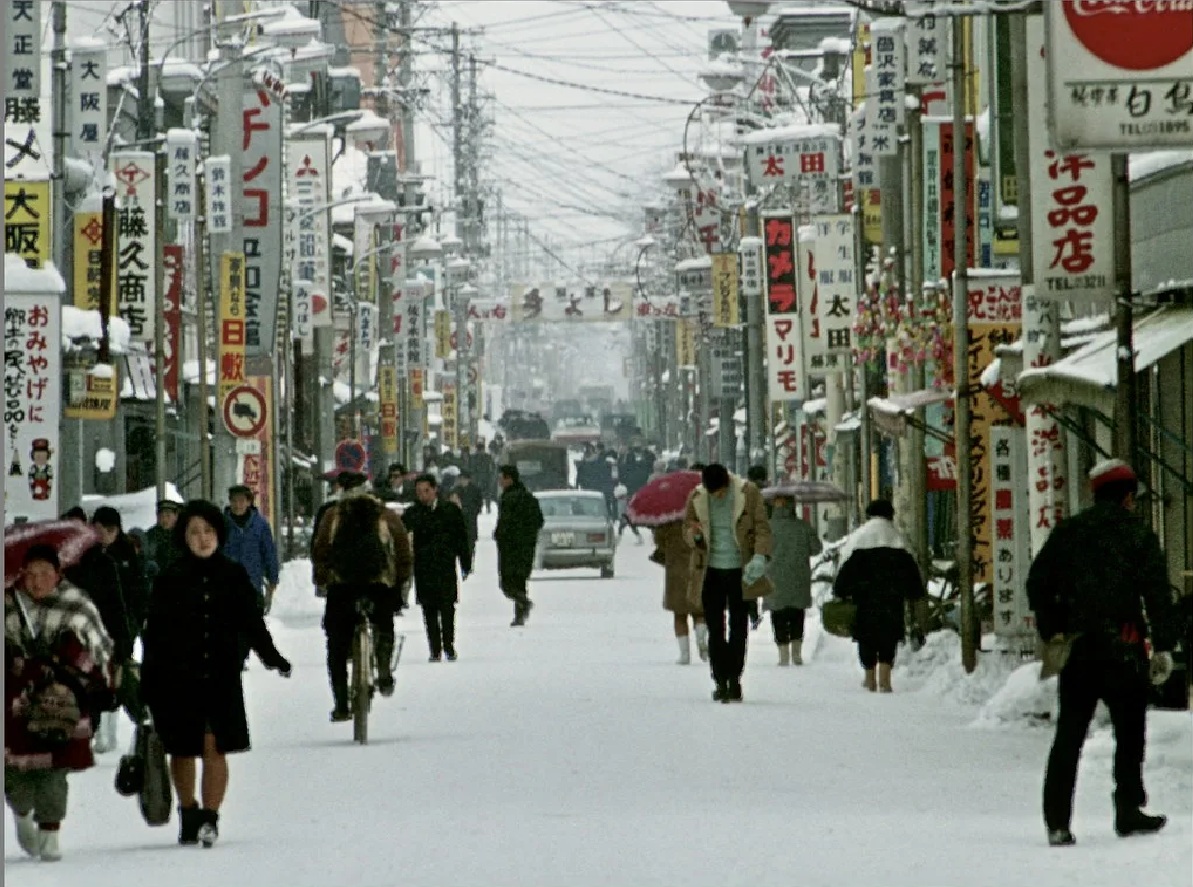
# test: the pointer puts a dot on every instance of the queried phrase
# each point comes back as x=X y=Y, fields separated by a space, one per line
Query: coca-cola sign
x=1136 y=35
x=1120 y=74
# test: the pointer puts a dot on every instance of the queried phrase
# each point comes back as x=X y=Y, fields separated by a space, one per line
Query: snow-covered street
x=576 y=751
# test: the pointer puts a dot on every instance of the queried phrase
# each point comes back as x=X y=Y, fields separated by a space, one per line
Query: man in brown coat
x=729 y=534
x=360 y=554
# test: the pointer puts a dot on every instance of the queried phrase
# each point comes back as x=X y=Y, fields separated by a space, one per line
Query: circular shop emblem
x=1135 y=35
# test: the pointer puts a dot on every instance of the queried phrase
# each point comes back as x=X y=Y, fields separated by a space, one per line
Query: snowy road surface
x=574 y=751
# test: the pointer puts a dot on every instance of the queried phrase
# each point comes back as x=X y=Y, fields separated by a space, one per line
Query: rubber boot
x=209 y=830
x=189 y=820
x=884 y=678
x=797 y=652
x=784 y=655
x=702 y=641
x=383 y=652
x=27 y=836
x=1133 y=821
x=685 y=650
x=870 y=682
x=47 y=845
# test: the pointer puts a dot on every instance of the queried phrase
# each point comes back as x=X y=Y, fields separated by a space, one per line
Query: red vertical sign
x=172 y=259
x=948 y=190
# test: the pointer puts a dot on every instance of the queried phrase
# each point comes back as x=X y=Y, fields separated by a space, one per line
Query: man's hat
x=1110 y=471
x=168 y=505
x=41 y=445
x=350 y=458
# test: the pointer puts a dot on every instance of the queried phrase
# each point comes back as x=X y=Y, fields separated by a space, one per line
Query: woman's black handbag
x=144 y=772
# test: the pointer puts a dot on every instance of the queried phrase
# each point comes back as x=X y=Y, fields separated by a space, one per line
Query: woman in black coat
x=201 y=607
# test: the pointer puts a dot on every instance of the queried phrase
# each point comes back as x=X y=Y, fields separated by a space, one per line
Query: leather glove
x=755 y=569
x=1160 y=669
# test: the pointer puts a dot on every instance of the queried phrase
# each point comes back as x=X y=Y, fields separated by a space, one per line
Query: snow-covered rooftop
x=1151 y=163
x=791 y=132
x=80 y=323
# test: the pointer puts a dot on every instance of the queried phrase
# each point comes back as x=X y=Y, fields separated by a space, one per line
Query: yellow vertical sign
x=27 y=220
x=88 y=250
x=443 y=334
x=449 y=429
x=725 y=309
x=685 y=343
x=387 y=385
x=416 y=393
x=231 y=325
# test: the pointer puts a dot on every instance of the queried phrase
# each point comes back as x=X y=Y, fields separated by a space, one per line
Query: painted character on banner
x=41 y=473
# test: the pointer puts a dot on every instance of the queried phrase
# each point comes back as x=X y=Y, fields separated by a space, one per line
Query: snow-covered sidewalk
x=574 y=751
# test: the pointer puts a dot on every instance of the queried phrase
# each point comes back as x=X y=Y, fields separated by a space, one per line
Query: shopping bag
x=156 y=796
x=838 y=616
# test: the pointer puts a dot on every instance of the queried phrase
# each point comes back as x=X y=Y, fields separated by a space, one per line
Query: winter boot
x=884 y=678
x=735 y=694
x=209 y=831
x=382 y=654
x=797 y=652
x=1060 y=837
x=27 y=836
x=449 y=653
x=702 y=641
x=784 y=655
x=339 y=695
x=870 y=682
x=189 y=820
x=1133 y=821
x=685 y=650
x=720 y=692
x=47 y=844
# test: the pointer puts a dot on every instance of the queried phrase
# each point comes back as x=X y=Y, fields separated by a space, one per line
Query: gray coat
x=795 y=543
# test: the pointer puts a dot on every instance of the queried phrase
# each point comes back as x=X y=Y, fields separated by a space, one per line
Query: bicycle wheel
x=362 y=658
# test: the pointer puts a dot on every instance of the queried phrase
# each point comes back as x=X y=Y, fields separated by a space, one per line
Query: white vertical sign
x=1071 y=205
x=136 y=251
x=1047 y=465
x=22 y=56
x=182 y=155
x=932 y=233
x=888 y=57
x=835 y=282
x=752 y=261
x=1009 y=555
x=884 y=138
x=927 y=43
x=88 y=118
x=217 y=171
x=816 y=360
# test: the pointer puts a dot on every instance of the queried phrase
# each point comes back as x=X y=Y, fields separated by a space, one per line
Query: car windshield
x=572 y=506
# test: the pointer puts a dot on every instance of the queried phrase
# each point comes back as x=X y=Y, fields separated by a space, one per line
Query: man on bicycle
x=360 y=555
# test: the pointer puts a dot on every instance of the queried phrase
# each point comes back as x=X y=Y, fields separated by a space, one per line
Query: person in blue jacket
x=250 y=544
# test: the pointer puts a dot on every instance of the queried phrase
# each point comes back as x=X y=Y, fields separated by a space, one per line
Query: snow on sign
x=244 y=411
x=1120 y=73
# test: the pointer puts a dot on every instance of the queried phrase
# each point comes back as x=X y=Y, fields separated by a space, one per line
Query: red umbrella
x=70 y=538
x=662 y=500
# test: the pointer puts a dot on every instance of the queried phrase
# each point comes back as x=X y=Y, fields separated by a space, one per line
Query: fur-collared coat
x=751 y=527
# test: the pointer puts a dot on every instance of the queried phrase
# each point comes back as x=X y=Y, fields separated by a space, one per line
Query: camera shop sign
x=1120 y=73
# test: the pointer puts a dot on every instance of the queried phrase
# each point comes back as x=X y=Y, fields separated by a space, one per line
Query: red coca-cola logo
x=1135 y=35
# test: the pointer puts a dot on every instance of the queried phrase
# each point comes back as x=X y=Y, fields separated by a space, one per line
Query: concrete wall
x=1162 y=228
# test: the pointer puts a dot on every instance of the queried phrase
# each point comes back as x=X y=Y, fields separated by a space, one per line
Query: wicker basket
x=838 y=617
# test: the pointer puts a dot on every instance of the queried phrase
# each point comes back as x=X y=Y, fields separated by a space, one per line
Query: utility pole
x=1125 y=402
x=917 y=467
x=962 y=415
x=58 y=87
x=410 y=420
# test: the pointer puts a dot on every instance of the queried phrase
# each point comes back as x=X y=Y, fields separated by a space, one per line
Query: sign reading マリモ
x=1120 y=73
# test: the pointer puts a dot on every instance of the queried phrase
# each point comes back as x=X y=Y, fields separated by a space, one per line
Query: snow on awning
x=894 y=414
x=136 y=379
x=1088 y=377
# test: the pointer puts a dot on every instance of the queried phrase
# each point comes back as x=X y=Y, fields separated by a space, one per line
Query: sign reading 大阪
x=1120 y=73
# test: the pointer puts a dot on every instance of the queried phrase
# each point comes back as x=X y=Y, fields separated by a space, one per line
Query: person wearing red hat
x=1099 y=587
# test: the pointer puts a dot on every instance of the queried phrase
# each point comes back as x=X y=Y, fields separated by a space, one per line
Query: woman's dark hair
x=714 y=477
x=511 y=472
x=76 y=513
x=209 y=512
x=108 y=517
x=757 y=475
x=881 y=508
x=42 y=552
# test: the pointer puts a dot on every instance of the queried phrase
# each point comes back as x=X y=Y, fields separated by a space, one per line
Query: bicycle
x=361 y=683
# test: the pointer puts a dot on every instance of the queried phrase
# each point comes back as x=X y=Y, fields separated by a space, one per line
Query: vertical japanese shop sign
x=995 y=317
x=933 y=268
x=1047 y=467
x=1120 y=74
x=1009 y=556
x=784 y=343
x=1071 y=205
x=685 y=344
x=88 y=231
x=309 y=183
x=724 y=291
x=22 y=80
x=948 y=216
x=254 y=462
x=32 y=401
x=888 y=57
x=449 y=429
x=416 y=392
x=27 y=220
x=89 y=101
x=927 y=44
x=173 y=264
x=387 y=384
x=231 y=325
x=836 y=286
x=443 y=334
x=182 y=158
x=260 y=195
x=217 y=172
x=136 y=229
x=807 y=285
x=413 y=336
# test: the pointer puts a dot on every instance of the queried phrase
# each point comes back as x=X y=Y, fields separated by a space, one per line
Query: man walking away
x=467 y=494
x=519 y=520
x=439 y=538
x=250 y=544
x=726 y=527
x=361 y=552
x=1090 y=585
x=483 y=471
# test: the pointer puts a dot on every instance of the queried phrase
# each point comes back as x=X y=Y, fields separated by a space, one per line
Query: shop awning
x=895 y=414
x=1088 y=377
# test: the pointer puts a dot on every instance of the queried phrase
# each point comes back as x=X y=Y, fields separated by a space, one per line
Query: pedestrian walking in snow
x=468 y=496
x=202 y=609
x=621 y=494
x=483 y=472
x=360 y=555
x=879 y=574
x=795 y=543
x=57 y=676
x=438 y=539
x=1099 y=586
x=250 y=543
x=673 y=554
x=160 y=547
x=726 y=528
x=519 y=520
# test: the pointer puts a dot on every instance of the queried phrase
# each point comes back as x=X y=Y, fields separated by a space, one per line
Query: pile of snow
x=85 y=324
x=137 y=510
x=294 y=598
x=935 y=669
x=1023 y=699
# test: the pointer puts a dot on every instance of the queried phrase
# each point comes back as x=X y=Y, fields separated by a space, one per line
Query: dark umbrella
x=662 y=500
x=807 y=491
x=70 y=538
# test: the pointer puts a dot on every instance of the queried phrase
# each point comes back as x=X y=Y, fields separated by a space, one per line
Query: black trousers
x=513 y=586
x=871 y=653
x=440 y=620
x=788 y=625
x=339 y=625
x=721 y=592
x=1096 y=672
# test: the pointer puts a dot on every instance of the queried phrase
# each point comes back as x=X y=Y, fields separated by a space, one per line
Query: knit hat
x=1110 y=471
x=350 y=458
